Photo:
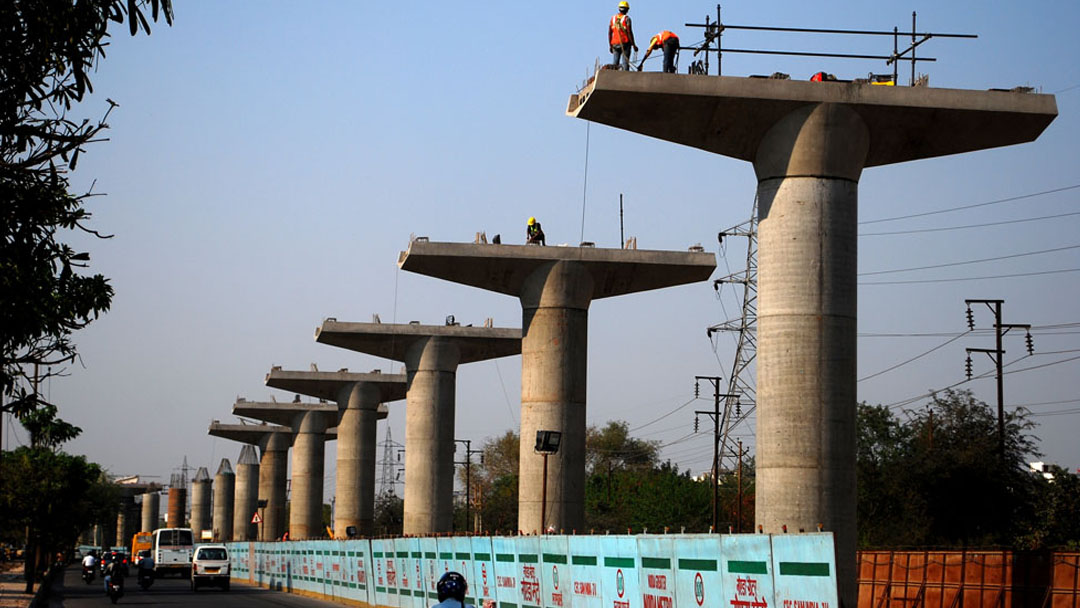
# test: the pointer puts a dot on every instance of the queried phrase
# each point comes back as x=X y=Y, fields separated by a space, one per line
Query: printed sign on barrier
x=747 y=571
x=482 y=576
x=804 y=571
x=410 y=583
x=586 y=568
x=528 y=571
x=657 y=574
x=378 y=559
x=430 y=569
x=462 y=547
x=619 y=584
x=556 y=575
x=506 y=578
x=697 y=563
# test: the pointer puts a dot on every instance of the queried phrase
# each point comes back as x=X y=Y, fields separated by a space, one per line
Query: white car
x=210 y=566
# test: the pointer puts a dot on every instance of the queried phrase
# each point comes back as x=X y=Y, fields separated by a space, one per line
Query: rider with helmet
x=452 y=589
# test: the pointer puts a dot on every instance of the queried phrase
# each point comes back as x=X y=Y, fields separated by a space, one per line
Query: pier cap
x=730 y=115
x=392 y=340
x=327 y=385
x=283 y=414
x=505 y=268
x=251 y=434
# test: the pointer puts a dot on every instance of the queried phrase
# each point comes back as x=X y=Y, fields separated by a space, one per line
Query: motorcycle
x=87 y=574
x=116 y=590
x=146 y=578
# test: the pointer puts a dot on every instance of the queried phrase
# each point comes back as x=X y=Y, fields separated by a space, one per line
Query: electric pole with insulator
x=715 y=414
x=997 y=354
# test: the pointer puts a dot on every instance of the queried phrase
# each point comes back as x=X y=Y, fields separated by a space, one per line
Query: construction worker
x=621 y=37
x=667 y=41
x=534 y=233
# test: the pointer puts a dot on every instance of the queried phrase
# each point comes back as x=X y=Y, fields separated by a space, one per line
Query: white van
x=210 y=566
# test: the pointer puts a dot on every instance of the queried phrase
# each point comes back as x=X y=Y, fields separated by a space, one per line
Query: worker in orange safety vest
x=621 y=37
x=667 y=41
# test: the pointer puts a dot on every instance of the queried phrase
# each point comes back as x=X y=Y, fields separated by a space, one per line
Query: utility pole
x=467 y=463
x=738 y=510
x=997 y=354
x=715 y=415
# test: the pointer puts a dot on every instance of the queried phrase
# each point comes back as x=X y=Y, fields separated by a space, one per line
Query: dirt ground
x=12 y=585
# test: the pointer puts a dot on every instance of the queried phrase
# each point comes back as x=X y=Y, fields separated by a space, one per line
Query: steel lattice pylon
x=388 y=479
x=740 y=380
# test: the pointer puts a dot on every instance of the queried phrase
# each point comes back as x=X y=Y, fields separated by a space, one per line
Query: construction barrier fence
x=610 y=571
x=969 y=579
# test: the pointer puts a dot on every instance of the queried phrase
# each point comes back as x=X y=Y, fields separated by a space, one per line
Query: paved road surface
x=173 y=592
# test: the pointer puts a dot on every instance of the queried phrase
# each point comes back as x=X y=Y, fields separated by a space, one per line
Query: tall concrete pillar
x=273 y=474
x=270 y=474
x=177 y=511
x=429 y=435
x=554 y=356
x=151 y=511
x=359 y=397
x=431 y=355
x=224 y=495
x=308 y=464
x=809 y=144
x=124 y=519
x=200 y=502
x=555 y=286
x=247 y=495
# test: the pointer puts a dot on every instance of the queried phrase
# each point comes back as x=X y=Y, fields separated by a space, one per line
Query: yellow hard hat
x=532 y=220
x=624 y=5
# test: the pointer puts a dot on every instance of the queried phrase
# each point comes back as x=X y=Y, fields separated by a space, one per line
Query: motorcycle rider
x=451 y=589
x=146 y=564
x=115 y=569
x=89 y=563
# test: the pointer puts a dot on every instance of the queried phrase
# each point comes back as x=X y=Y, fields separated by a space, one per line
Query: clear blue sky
x=269 y=160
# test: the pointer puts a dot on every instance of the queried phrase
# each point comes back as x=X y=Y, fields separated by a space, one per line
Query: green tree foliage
x=612 y=448
x=47 y=52
x=496 y=483
x=940 y=479
x=48 y=498
x=389 y=514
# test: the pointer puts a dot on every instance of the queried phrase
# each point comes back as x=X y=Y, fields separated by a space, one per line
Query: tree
x=47 y=53
x=496 y=483
x=612 y=448
x=48 y=498
x=389 y=514
x=939 y=478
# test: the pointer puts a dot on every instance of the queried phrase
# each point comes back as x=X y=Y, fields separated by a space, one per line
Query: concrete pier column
x=124 y=519
x=808 y=167
x=247 y=495
x=200 y=502
x=554 y=356
x=273 y=472
x=356 y=451
x=177 y=511
x=308 y=464
x=151 y=511
x=224 y=494
x=429 y=435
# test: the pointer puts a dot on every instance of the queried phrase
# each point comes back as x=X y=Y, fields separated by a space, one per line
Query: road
x=173 y=592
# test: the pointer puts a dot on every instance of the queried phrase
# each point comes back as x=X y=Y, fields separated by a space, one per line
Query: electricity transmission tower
x=741 y=392
x=388 y=479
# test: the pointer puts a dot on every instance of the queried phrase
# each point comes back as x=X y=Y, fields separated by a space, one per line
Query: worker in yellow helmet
x=534 y=233
x=667 y=41
x=621 y=37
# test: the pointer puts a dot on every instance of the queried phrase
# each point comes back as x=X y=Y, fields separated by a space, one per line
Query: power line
x=978 y=261
x=1057 y=413
x=1052 y=363
x=985 y=277
x=915 y=358
x=994 y=202
x=966 y=226
x=692 y=399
